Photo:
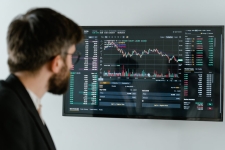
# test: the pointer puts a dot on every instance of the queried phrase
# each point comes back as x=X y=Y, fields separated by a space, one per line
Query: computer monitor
x=158 y=72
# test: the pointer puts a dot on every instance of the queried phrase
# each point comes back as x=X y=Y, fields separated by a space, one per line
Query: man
x=40 y=48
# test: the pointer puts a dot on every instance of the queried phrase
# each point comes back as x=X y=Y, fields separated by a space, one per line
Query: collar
x=35 y=99
x=37 y=103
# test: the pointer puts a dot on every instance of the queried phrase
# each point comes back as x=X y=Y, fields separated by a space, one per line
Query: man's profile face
x=59 y=82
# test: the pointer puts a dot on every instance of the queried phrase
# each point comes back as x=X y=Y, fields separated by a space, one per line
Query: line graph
x=141 y=58
x=134 y=52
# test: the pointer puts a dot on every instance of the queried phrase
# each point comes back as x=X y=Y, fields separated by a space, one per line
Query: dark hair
x=38 y=36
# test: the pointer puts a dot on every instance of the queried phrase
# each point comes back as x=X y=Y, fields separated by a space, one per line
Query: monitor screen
x=159 y=72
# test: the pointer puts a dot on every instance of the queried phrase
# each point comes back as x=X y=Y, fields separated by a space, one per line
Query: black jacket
x=21 y=127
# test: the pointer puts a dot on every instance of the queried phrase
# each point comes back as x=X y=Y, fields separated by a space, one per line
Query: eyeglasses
x=75 y=57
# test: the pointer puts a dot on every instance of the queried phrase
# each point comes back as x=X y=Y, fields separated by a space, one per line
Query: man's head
x=41 y=36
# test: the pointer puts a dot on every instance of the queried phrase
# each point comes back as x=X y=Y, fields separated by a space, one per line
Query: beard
x=58 y=83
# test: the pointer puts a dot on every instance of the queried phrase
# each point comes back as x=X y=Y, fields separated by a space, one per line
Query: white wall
x=70 y=133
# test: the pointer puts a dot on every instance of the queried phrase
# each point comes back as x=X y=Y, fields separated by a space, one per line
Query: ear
x=56 y=64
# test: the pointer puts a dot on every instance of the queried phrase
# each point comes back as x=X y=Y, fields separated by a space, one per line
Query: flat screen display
x=158 y=72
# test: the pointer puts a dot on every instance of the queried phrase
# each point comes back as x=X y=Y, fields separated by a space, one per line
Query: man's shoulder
x=8 y=86
x=7 y=94
x=4 y=87
x=3 y=83
x=10 y=104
